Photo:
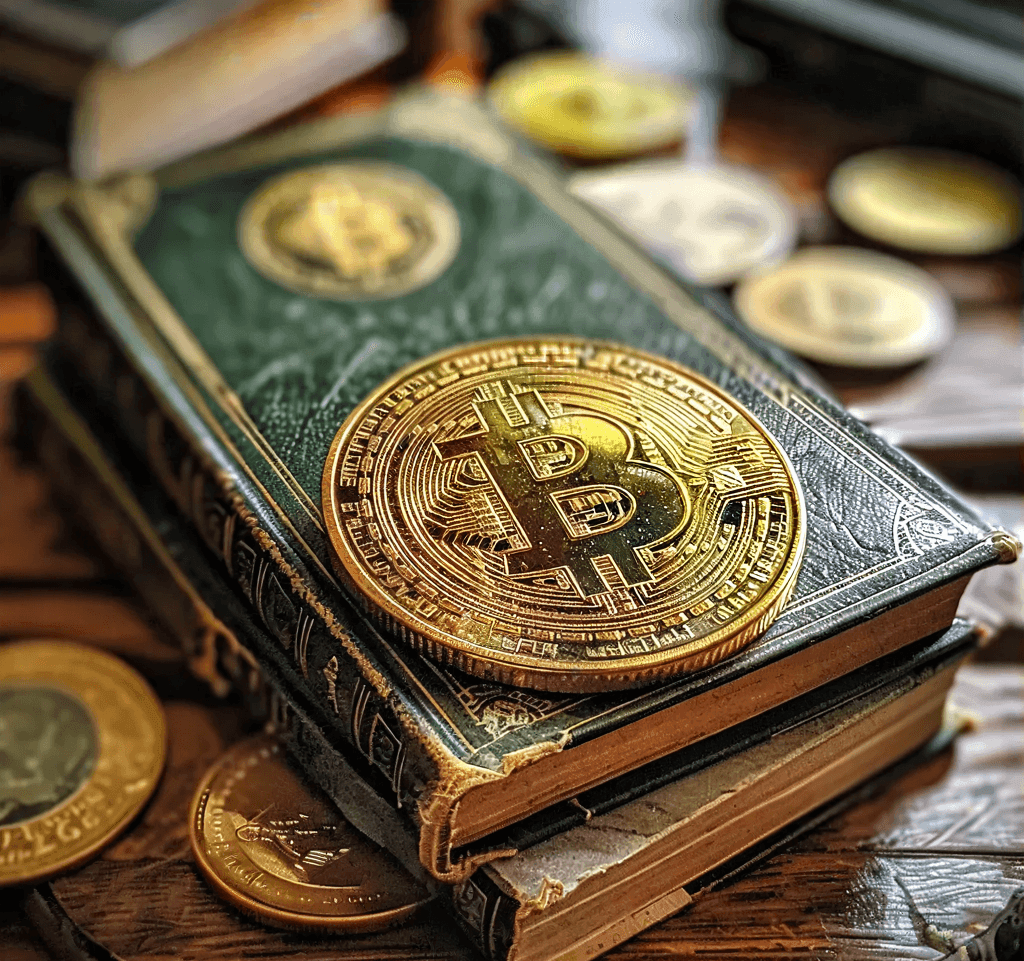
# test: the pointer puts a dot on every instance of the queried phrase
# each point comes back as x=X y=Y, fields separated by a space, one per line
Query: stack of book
x=185 y=412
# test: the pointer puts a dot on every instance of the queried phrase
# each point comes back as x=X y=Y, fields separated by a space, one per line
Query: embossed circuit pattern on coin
x=712 y=224
x=350 y=231
x=844 y=305
x=587 y=108
x=279 y=850
x=563 y=514
x=82 y=745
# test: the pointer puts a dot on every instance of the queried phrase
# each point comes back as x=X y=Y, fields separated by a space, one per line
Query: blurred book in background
x=284 y=53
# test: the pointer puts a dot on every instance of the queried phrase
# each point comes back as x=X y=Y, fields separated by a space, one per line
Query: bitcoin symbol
x=351 y=230
x=355 y=235
x=574 y=489
x=562 y=514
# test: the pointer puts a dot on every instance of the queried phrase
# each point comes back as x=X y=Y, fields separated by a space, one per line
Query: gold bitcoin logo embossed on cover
x=350 y=231
x=563 y=514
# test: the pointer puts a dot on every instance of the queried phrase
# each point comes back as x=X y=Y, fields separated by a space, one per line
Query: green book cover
x=232 y=382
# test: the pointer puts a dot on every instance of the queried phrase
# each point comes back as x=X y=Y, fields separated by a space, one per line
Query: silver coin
x=711 y=223
x=848 y=306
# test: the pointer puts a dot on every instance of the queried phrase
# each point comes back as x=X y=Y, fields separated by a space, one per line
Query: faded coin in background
x=278 y=849
x=927 y=200
x=82 y=745
x=583 y=107
x=850 y=307
x=712 y=224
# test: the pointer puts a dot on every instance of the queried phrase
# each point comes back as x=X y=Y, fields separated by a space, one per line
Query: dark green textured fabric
x=300 y=364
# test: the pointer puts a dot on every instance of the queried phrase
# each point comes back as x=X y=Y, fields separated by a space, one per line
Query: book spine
x=317 y=661
x=486 y=915
x=217 y=648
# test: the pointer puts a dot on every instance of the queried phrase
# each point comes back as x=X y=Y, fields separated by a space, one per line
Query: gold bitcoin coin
x=279 y=851
x=847 y=306
x=586 y=108
x=563 y=514
x=929 y=201
x=350 y=231
x=82 y=745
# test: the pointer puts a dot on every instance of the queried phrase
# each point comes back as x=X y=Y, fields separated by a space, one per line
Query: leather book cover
x=232 y=377
x=105 y=492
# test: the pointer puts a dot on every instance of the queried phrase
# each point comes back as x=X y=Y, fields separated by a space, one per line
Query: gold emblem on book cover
x=280 y=851
x=350 y=231
x=82 y=745
x=563 y=514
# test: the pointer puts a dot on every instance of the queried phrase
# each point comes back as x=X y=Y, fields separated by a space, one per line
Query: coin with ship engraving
x=563 y=514
x=350 y=231
x=586 y=108
x=711 y=224
x=848 y=306
x=278 y=850
x=928 y=200
x=82 y=745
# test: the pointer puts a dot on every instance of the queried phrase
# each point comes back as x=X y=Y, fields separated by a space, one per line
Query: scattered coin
x=82 y=745
x=711 y=224
x=929 y=201
x=850 y=307
x=563 y=514
x=583 y=107
x=350 y=231
x=279 y=851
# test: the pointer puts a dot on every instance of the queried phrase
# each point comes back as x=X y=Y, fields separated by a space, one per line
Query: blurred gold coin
x=929 y=201
x=848 y=306
x=82 y=745
x=586 y=108
x=349 y=231
x=278 y=849
x=563 y=514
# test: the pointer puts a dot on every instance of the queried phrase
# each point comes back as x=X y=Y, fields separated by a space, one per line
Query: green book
x=584 y=875
x=231 y=380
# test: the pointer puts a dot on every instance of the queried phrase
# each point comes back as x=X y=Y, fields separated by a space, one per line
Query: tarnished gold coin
x=586 y=108
x=82 y=746
x=848 y=306
x=926 y=200
x=279 y=851
x=563 y=514
x=350 y=231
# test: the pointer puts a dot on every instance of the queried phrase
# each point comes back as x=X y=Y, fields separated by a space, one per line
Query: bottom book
x=588 y=874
